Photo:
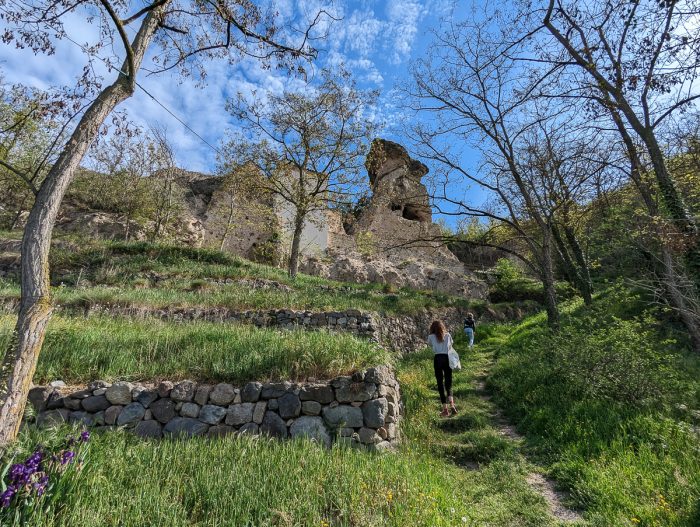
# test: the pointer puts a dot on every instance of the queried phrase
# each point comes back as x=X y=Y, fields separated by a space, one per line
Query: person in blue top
x=470 y=328
x=441 y=342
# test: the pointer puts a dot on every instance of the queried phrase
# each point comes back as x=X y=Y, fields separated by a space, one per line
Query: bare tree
x=473 y=90
x=312 y=149
x=187 y=33
x=168 y=200
x=643 y=58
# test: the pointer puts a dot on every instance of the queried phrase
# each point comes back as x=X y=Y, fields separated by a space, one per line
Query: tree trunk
x=572 y=269
x=296 y=240
x=548 y=282
x=584 y=273
x=229 y=222
x=19 y=362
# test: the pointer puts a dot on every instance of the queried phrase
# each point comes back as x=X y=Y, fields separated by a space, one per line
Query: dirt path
x=554 y=498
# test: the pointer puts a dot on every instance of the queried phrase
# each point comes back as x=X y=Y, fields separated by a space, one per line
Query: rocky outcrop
x=362 y=410
x=416 y=274
x=393 y=239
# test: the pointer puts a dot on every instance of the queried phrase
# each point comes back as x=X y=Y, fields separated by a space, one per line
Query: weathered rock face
x=395 y=180
x=361 y=410
x=393 y=241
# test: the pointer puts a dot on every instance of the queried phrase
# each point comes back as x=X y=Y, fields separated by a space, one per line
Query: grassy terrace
x=80 y=350
x=255 y=482
x=123 y=273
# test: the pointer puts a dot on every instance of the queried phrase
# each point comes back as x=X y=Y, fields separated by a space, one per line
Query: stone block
x=130 y=414
x=251 y=392
x=201 y=396
x=274 y=426
x=311 y=428
x=343 y=416
x=95 y=403
x=185 y=427
x=321 y=393
x=183 y=391
x=289 y=406
x=189 y=410
x=163 y=410
x=239 y=414
x=164 y=389
x=149 y=429
x=112 y=413
x=355 y=392
x=119 y=393
x=374 y=412
x=222 y=394
x=311 y=408
x=212 y=414
x=259 y=412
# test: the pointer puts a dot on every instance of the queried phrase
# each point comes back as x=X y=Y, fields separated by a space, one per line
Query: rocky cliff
x=393 y=240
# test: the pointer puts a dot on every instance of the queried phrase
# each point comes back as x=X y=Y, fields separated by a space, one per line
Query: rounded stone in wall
x=212 y=414
x=163 y=410
x=273 y=425
x=119 y=393
x=95 y=403
x=312 y=428
x=131 y=413
x=251 y=392
x=183 y=391
x=151 y=429
x=185 y=427
x=289 y=406
x=222 y=394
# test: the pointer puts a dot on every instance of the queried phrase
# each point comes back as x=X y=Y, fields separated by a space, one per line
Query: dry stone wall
x=362 y=410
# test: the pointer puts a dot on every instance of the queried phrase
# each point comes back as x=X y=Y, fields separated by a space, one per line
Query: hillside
x=123 y=316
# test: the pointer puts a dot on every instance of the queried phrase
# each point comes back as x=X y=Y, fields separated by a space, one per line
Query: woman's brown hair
x=438 y=329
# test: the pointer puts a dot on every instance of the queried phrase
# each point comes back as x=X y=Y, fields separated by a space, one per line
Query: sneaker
x=445 y=413
x=453 y=410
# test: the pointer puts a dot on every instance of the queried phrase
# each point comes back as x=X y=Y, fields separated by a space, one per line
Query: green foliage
x=80 y=350
x=600 y=403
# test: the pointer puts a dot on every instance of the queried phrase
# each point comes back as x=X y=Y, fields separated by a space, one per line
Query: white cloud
x=364 y=41
x=403 y=19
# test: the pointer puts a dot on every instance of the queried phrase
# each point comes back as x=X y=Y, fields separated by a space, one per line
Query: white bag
x=455 y=363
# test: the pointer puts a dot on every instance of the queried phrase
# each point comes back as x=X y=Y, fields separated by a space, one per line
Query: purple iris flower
x=67 y=457
x=85 y=436
x=6 y=497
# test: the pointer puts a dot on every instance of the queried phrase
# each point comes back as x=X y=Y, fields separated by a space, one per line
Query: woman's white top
x=440 y=347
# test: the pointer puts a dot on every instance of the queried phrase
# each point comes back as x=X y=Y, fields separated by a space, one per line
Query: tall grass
x=81 y=349
x=608 y=404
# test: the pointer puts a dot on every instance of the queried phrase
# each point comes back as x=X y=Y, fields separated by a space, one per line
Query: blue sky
x=376 y=40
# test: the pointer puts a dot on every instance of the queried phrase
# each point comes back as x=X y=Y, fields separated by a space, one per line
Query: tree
x=472 y=88
x=312 y=148
x=639 y=60
x=167 y=195
x=187 y=34
x=30 y=129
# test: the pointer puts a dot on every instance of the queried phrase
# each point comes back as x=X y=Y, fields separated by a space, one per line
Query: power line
x=183 y=123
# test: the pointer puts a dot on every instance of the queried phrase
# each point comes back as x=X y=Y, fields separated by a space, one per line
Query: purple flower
x=40 y=486
x=67 y=457
x=85 y=436
x=6 y=497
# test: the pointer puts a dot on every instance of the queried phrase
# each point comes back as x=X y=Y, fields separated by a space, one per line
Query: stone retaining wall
x=362 y=410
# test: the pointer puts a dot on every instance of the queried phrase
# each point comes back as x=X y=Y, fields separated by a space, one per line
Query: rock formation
x=393 y=240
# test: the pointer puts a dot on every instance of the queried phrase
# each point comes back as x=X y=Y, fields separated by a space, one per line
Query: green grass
x=255 y=482
x=83 y=349
x=122 y=273
x=601 y=405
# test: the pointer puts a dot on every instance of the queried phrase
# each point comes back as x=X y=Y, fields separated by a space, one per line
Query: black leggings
x=441 y=363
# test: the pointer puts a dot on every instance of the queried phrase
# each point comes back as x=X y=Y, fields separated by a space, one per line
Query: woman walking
x=441 y=342
x=470 y=329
